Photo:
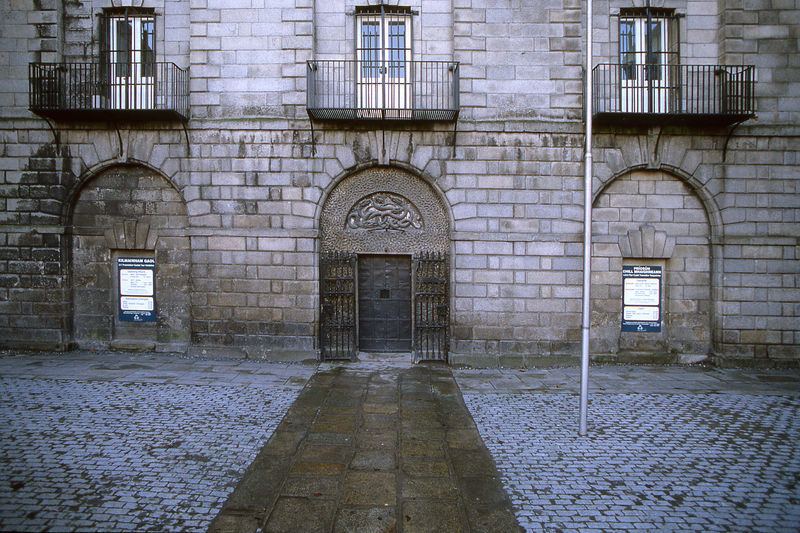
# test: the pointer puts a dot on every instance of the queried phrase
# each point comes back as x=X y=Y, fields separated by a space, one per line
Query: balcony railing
x=100 y=90
x=657 y=94
x=382 y=90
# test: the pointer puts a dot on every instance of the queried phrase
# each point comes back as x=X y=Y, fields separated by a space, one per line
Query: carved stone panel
x=384 y=210
x=646 y=242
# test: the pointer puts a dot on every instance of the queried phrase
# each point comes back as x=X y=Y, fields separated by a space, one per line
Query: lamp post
x=587 y=231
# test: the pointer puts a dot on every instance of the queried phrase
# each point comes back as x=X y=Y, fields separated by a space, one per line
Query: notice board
x=641 y=298
x=137 y=301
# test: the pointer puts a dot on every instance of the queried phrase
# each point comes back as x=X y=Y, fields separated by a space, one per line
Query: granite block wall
x=253 y=177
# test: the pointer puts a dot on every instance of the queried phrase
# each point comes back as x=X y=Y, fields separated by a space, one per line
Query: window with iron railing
x=649 y=83
x=383 y=51
x=126 y=79
x=129 y=52
x=382 y=82
x=649 y=49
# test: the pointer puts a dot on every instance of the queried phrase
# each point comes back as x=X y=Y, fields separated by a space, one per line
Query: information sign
x=641 y=298
x=137 y=289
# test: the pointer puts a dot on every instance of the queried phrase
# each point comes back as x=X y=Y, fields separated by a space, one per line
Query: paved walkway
x=643 y=379
x=373 y=450
x=108 y=441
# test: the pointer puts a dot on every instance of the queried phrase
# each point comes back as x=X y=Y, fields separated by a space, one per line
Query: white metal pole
x=587 y=231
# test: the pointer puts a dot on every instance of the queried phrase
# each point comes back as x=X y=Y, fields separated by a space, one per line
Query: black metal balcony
x=664 y=94
x=382 y=90
x=96 y=91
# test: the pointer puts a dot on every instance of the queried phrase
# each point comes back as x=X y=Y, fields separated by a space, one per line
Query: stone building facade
x=284 y=166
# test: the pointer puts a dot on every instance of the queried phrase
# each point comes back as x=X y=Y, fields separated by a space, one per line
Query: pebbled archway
x=403 y=191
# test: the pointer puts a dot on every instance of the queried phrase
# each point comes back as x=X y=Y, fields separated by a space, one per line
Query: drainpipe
x=587 y=230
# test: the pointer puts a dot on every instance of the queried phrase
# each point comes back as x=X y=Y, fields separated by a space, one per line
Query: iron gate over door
x=338 y=305
x=431 y=306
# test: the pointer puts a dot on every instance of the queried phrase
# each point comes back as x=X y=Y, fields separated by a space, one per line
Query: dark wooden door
x=384 y=303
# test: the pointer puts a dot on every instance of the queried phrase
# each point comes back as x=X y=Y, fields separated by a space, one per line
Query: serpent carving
x=384 y=212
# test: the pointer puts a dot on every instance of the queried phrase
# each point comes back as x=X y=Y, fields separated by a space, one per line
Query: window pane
x=123 y=47
x=654 y=51
x=370 y=48
x=655 y=37
x=627 y=49
x=397 y=49
x=148 y=48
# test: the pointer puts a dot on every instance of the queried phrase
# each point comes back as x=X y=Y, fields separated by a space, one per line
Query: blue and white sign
x=137 y=289
x=641 y=298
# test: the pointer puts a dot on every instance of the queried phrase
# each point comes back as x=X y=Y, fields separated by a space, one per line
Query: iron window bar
x=87 y=90
x=338 y=91
x=720 y=94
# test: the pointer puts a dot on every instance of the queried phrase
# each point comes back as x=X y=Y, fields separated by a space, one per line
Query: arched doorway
x=384 y=266
x=651 y=221
x=130 y=261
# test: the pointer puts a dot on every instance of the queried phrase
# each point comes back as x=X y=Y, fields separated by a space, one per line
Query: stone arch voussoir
x=99 y=169
x=699 y=189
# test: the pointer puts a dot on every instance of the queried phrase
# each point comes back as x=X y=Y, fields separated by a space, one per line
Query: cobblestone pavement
x=114 y=442
x=657 y=458
x=98 y=441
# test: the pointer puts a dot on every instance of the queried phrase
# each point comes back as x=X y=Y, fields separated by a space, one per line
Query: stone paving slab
x=365 y=448
x=669 y=448
x=130 y=442
x=153 y=368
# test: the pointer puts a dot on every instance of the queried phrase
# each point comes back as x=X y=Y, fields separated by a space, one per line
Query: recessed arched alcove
x=128 y=226
x=384 y=266
x=653 y=219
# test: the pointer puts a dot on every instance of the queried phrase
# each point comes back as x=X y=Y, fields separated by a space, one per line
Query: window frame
x=384 y=68
x=128 y=70
x=649 y=59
